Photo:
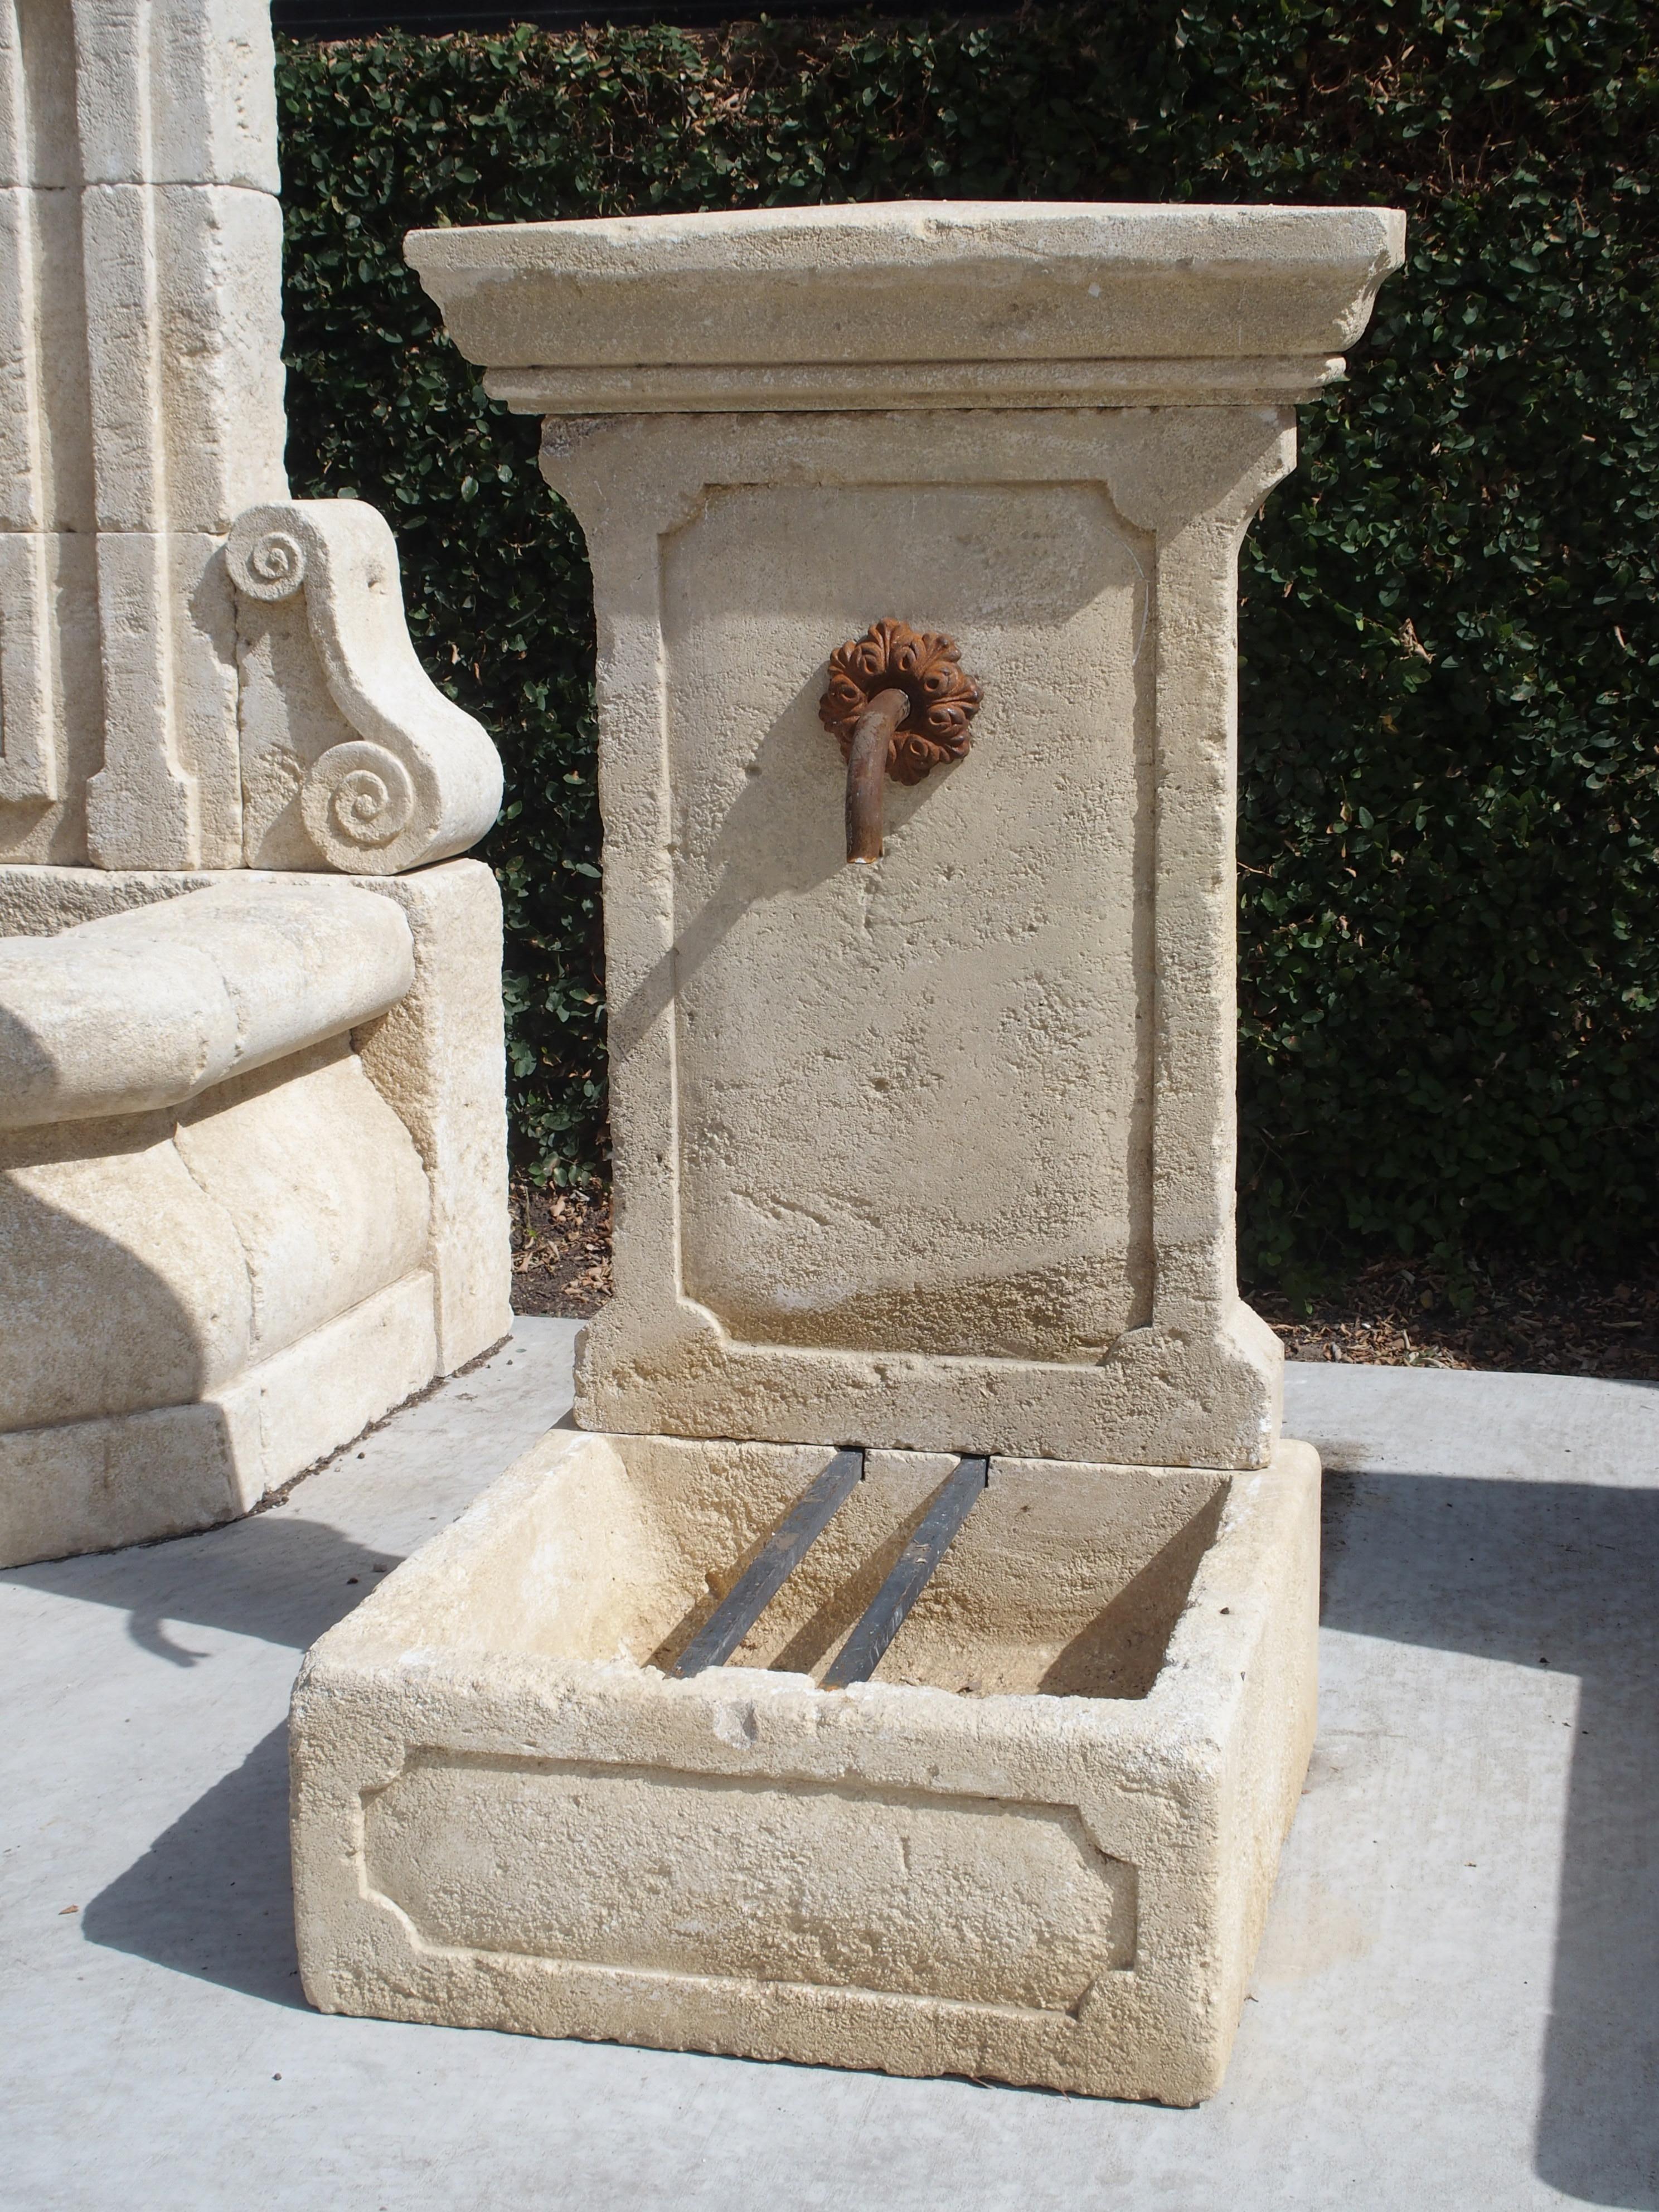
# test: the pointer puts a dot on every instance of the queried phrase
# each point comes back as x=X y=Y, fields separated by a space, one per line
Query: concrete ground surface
x=1457 y=2004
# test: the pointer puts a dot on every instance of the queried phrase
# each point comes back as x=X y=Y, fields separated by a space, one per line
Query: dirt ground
x=1518 y=1318
x=561 y=1251
x=1541 y=1321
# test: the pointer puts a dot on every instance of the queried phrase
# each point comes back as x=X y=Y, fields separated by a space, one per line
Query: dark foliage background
x=1450 y=818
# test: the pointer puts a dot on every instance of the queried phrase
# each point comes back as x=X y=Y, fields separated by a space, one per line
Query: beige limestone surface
x=252 y=1170
x=141 y=410
x=350 y=752
x=909 y=303
x=933 y=1155
x=252 y=1181
x=150 y=1007
x=938 y=1152
x=439 y=1059
x=1037 y=1847
x=98 y=1485
x=141 y=421
x=951 y=1139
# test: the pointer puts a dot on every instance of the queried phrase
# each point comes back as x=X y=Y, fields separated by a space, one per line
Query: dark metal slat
x=866 y=1646
x=771 y=1566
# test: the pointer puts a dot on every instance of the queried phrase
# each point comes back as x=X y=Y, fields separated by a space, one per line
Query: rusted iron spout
x=867 y=772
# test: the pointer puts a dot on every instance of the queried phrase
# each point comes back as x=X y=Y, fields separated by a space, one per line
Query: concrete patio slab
x=1456 y=2005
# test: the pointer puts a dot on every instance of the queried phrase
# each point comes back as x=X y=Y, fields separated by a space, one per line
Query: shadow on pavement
x=1566 y=1574
x=212 y=1896
x=1526 y=1572
x=278 y=1576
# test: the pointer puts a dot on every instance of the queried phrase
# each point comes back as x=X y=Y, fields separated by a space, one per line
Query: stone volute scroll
x=900 y=705
x=417 y=779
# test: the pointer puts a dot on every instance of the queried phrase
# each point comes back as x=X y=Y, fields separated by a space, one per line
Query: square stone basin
x=1038 y=1845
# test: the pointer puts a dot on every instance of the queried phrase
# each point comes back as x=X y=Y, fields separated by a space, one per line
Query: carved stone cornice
x=911 y=304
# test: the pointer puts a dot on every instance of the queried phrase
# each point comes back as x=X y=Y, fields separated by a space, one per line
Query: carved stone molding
x=924 y=664
x=29 y=766
x=419 y=780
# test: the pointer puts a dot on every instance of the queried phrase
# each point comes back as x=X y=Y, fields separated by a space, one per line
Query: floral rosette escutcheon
x=927 y=668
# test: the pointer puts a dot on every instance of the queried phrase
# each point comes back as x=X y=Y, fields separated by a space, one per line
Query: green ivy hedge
x=1450 y=649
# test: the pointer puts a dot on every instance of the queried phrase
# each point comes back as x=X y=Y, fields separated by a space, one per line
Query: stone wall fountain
x=252 y=1122
x=909 y=1662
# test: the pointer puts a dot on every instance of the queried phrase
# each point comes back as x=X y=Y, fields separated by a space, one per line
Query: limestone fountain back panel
x=914 y=1100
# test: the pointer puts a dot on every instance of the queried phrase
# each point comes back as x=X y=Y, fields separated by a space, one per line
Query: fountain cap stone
x=913 y=303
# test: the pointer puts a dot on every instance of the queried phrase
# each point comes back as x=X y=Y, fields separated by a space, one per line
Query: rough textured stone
x=94 y=1485
x=320 y=1183
x=1027 y=1850
x=437 y=1056
x=253 y=1192
x=141 y=412
x=150 y=1007
x=941 y=1150
x=372 y=768
x=45 y=378
x=186 y=433
x=932 y=1155
x=935 y=303
x=140 y=404
x=919 y=1102
x=184 y=1251
x=439 y=1059
x=122 y=1282
x=225 y=1243
x=176 y=92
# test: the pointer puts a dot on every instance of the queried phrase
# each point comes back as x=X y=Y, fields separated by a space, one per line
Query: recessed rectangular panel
x=843 y=1885
x=914 y=1100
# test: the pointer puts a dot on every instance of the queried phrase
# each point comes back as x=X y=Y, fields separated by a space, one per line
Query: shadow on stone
x=212 y=1896
x=1120 y=1652
x=1564 y=1574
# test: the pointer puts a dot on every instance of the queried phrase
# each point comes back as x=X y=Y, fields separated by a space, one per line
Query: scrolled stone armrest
x=423 y=780
x=147 y=1009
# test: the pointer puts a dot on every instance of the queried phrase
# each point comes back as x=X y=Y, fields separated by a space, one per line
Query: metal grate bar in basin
x=866 y=1646
x=772 y=1565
